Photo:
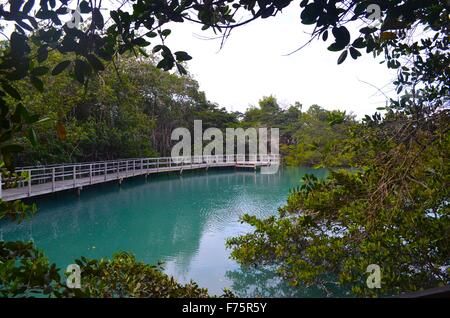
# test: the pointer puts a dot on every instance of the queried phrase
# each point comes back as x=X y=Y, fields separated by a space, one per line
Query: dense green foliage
x=26 y=272
x=320 y=137
x=392 y=211
x=310 y=138
x=127 y=111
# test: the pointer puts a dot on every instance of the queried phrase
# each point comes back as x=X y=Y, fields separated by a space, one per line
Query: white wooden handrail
x=52 y=178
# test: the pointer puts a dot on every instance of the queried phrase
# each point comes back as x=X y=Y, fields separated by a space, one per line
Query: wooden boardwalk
x=41 y=180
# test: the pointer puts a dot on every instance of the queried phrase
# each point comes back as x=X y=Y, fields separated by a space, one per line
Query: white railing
x=56 y=177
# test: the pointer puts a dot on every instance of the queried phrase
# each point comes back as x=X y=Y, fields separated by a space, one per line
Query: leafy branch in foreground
x=26 y=272
x=392 y=211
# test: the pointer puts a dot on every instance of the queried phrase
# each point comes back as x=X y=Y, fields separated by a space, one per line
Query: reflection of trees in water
x=163 y=217
x=250 y=282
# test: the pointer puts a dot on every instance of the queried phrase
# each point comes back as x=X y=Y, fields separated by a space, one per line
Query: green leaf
x=181 y=69
x=85 y=7
x=95 y=62
x=39 y=71
x=142 y=51
x=157 y=48
x=165 y=32
x=342 y=57
x=310 y=14
x=42 y=54
x=354 y=53
x=20 y=113
x=342 y=36
x=165 y=64
x=182 y=56
x=359 y=43
x=82 y=70
x=32 y=137
x=25 y=26
x=97 y=18
x=335 y=47
x=11 y=91
x=367 y=30
x=37 y=83
x=42 y=120
x=28 y=6
x=141 y=42
x=60 y=67
x=18 y=44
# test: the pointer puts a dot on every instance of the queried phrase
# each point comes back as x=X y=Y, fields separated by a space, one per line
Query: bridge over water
x=39 y=180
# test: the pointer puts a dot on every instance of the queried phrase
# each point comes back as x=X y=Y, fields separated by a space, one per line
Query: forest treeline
x=131 y=108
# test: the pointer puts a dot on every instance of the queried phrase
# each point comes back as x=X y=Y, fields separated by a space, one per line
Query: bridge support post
x=53 y=179
x=74 y=173
x=120 y=181
x=29 y=183
x=78 y=191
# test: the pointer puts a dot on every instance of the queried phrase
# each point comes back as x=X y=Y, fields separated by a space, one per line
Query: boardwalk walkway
x=41 y=180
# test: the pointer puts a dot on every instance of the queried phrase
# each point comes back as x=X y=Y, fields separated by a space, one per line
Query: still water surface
x=183 y=221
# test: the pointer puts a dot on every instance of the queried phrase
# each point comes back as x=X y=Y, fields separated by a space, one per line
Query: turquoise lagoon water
x=183 y=221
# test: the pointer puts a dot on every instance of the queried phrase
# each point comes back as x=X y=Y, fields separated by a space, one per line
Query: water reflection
x=181 y=220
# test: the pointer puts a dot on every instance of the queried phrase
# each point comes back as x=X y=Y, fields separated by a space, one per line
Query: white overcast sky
x=253 y=64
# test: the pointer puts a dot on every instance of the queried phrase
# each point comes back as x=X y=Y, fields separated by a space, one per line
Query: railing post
x=105 y=169
x=29 y=182
x=74 y=175
x=126 y=168
x=53 y=179
x=90 y=173
x=134 y=167
x=118 y=168
x=157 y=164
